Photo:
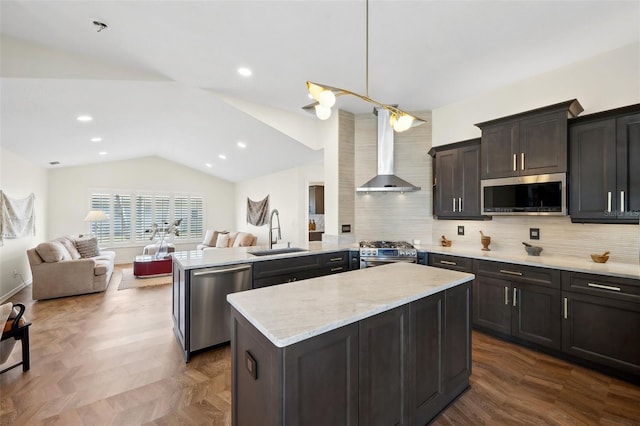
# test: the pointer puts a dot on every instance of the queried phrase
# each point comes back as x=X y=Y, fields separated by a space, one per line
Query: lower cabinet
x=279 y=271
x=526 y=311
x=402 y=366
x=601 y=320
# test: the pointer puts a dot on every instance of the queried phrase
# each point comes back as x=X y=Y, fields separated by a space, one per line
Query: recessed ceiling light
x=222 y=157
x=242 y=144
x=54 y=163
x=209 y=165
x=102 y=153
x=96 y=139
x=244 y=71
x=84 y=118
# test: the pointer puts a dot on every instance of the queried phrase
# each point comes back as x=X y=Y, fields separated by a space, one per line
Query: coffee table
x=145 y=266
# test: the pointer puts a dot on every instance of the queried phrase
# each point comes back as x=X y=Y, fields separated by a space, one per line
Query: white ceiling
x=158 y=81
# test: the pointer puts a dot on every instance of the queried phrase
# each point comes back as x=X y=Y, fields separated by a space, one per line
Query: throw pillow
x=52 y=251
x=210 y=237
x=71 y=248
x=87 y=247
x=222 y=241
x=243 y=239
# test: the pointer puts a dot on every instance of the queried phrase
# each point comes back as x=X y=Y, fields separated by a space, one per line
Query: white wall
x=603 y=82
x=288 y=192
x=69 y=190
x=19 y=178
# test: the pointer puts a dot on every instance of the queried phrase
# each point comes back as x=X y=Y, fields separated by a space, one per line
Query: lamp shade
x=95 y=216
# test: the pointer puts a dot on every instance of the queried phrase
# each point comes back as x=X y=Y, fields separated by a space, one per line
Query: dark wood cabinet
x=279 y=271
x=457 y=180
x=517 y=301
x=605 y=157
x=383 y=363
x=455 y=263
x=528 y=143
x=402 y=366
x=601 y=320
x=316 y=199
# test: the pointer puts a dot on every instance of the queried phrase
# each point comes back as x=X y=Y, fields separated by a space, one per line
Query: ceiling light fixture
x=325 y=97
x=244 y=71
x=242 y=144
x=102 y=153
x=222 y=157
x=84 y=118
x=209 y=165
x=96 y=139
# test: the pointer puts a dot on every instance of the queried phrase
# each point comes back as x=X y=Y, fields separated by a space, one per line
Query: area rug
x=131 y=281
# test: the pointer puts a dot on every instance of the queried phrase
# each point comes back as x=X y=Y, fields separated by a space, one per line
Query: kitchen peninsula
x=388 y=345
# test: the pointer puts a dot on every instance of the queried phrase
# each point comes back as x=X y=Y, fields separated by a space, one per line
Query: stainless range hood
x=385 y=180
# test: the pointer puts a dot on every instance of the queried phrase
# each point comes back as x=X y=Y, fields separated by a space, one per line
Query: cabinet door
x=446 y=182
x=593 y=170
x=457 y=331
x=469 y=181
x=536 y=314
x=543 y=144
x=321 y=379
x=383 y=365
x=499 y=145
x=628 y=167
x=492 y=304
x=602 y=330
x=426 y=383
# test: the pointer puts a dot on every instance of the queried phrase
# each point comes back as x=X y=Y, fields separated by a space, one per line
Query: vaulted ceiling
x=162 y=79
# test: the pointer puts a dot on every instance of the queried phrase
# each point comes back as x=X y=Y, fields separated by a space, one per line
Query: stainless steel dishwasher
x=210 y=313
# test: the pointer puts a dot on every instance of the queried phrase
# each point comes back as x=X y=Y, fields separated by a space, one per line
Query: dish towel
x=17 y=217
x=257 y=211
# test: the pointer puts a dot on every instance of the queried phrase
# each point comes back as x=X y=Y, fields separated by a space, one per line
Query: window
x=130 y=214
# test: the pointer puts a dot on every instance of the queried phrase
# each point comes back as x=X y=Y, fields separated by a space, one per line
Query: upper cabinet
x=604 y=168
x=457 y=180
x=316 y=199
x=529 y=143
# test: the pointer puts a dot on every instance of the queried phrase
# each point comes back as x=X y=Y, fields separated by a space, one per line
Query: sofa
x=68 y=266
x=225 y=239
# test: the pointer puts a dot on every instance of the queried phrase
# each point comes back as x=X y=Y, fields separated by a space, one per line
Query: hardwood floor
x=112 y=359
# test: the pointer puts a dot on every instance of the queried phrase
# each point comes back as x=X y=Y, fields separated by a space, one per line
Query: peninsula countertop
x=206 y=258
x=293 y=312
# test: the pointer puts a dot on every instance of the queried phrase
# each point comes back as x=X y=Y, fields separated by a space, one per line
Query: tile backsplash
x=558 y=236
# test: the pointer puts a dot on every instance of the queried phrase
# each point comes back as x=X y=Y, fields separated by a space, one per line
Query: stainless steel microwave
x=544 y=195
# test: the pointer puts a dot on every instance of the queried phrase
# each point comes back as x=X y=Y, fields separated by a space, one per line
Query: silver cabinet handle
x=515 y=160
x=222 y=271
x=566 y=308
x=522 y=161
x=505 y=271
x=339 y=268
x=622 y=201
x=454 y=204
x=506 y=295
x=515 y=291
x=460 y=204
x=609 y=202
x=335 y=259
x=605 y=287
x=448 y=262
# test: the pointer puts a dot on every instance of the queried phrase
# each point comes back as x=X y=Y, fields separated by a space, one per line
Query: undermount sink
x=277 y=251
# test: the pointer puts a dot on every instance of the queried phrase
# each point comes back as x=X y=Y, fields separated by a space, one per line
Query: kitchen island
x=384 y=345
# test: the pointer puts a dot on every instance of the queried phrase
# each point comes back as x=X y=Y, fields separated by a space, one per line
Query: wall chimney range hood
x=385 y=180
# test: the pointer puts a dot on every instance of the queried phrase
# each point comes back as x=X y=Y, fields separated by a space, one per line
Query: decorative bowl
x=532 y=250
x=600 y=258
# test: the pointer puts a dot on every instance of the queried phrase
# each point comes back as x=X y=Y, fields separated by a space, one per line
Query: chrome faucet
x=271 y=228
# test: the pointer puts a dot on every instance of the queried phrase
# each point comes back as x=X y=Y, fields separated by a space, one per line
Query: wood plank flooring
x=111 y=359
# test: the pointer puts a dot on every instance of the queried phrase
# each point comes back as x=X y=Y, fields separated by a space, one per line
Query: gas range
x=375 y=253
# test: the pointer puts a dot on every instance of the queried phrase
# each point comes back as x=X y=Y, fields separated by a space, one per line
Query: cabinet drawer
x=601 y=285
x=285 y=266
x=329 y=259
x=518 y=273
x=463 y=264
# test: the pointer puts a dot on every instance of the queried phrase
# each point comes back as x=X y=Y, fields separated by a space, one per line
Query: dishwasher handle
x=222 y=271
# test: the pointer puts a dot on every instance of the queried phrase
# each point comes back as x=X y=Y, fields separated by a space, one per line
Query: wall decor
x=257 y=211
x=17 y=217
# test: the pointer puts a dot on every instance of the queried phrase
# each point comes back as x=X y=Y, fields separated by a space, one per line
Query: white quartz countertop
x=292 y=312
x=567 y=263
x=209 y=257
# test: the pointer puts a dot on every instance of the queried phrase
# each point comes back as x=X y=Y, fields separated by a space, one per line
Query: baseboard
x=6 y=297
